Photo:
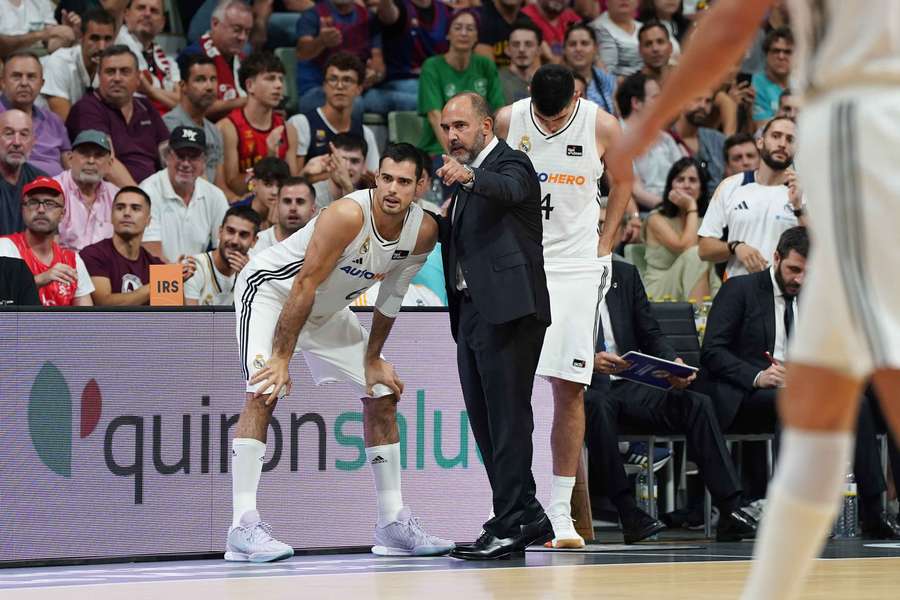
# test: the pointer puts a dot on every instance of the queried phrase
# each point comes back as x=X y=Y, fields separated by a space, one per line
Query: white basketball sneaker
x=564 y=534
x=405 y=537
x=252 y=541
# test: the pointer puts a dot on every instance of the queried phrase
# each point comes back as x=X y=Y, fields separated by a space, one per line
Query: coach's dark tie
x=788 y=316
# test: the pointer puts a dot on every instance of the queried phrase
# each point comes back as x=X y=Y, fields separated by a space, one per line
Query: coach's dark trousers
x=496 y=370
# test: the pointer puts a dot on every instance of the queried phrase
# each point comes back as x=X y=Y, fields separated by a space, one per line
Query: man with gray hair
x=16 y=141
x=229 y=30
x=89 y=198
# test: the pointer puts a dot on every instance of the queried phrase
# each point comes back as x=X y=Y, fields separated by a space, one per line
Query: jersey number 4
x=545 y=206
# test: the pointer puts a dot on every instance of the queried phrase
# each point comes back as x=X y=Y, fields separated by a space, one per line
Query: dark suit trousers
x=758 y=414
x=631 y=407
x=496 y=370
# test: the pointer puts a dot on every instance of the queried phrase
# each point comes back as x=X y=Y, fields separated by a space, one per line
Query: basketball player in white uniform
x=295 y=296
x=565 y=137
x=849 y=69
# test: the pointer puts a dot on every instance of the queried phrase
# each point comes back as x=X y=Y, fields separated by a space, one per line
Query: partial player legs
x=819 y=411
x=566 y=441
x=397 y=532
x=249 y=539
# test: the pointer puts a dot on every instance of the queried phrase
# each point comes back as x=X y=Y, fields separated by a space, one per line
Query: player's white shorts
x=334 y=346
x=849 y=317
x=576 y=287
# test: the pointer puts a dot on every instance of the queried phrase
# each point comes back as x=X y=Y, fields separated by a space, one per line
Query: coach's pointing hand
x=381 y=371
x=453 y=172
x=274 y=373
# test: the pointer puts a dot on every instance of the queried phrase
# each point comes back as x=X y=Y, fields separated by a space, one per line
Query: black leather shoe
x=638 y=525
x=736 y=526
x=536 y=532
x=482 y=540
x=882 y=528
x=489 y=547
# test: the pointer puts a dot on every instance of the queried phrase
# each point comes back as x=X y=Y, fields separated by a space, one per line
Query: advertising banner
x=116 y=430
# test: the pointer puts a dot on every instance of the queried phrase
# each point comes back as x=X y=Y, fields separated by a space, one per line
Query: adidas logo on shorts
x=378 y=460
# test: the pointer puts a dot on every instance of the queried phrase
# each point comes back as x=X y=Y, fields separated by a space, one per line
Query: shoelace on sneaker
x=420 y=535
x=259 y=532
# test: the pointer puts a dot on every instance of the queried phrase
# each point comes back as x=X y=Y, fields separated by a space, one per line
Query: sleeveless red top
x=252 y=141
x=53 y=294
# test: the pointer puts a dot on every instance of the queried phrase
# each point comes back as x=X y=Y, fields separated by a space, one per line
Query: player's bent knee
x=819 y=399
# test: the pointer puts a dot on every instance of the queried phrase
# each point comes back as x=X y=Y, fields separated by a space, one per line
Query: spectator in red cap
x=60 y=275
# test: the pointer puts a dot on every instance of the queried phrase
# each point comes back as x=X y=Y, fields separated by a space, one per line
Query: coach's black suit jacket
x=494 y=233
x=740 y=329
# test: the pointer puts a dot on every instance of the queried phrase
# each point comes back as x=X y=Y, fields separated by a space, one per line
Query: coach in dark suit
x=499 y=311
x=627 y=324
x=750 y=321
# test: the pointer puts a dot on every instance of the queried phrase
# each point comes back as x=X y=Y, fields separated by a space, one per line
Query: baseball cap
x=42 y=183
x=187 y=137
x=92 y=136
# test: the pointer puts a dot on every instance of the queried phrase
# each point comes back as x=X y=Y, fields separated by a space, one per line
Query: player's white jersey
x=367 y=259
x=842 y=43
x=569 y=168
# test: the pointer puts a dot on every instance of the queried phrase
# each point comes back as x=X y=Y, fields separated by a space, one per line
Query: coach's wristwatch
x=799 y=212
x=471 y=173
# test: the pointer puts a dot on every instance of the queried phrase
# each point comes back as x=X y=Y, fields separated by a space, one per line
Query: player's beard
x=793 y=293
x=774 y=164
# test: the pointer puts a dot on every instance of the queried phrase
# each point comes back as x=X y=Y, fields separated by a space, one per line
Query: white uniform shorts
x=850 y=301
x=576 y=286
x=334 y=346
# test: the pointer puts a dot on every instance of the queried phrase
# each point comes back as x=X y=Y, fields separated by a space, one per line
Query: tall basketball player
x=849 y=69
x=565 y=137
x=295 y=296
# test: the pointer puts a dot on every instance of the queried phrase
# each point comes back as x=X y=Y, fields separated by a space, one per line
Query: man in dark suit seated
x=627 y=324
x=742 y=362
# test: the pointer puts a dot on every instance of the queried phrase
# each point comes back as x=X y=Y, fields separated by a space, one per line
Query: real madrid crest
x=365 y=247
x=525 y=144
x=259 y=362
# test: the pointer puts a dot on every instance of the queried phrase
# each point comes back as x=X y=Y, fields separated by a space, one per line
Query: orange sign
x=166 y=286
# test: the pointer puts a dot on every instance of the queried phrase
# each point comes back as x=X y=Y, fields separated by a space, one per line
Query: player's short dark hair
x=256 y=64
x=188 y=61
x=769 y=123
x=551 y=89
x=521 y=24
x=133 y=189
x=632 y=87
x=346 y=61
x=351 y=142
x=98 y=16
x=796 y=239
x=246 y=213
x=298 y=180
x=118 y=50
x=580 y=26
x=779 y=33
x=653 y=23
x=737 y=139
x=403 y=152
x=271 y=168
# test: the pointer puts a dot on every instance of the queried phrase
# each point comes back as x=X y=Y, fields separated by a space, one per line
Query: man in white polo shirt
x=187 y=210
x=755 y=207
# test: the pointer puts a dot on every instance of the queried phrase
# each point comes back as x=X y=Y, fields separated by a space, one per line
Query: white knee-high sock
x=385 y=463
x=803 y=502
x=561 y=495
x=246 y=467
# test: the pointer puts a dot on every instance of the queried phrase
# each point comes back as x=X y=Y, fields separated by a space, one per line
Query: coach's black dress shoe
x=490 y=547
x=638 y=525
x=736 y=526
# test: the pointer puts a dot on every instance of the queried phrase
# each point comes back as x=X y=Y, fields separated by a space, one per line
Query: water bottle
x=645 y=497
x=847 y=524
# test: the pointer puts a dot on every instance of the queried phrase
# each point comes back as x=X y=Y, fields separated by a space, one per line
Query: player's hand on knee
x=274 y=375
x=381 y=371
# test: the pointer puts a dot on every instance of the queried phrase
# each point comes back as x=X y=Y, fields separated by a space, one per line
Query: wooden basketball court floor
x=668 y=570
